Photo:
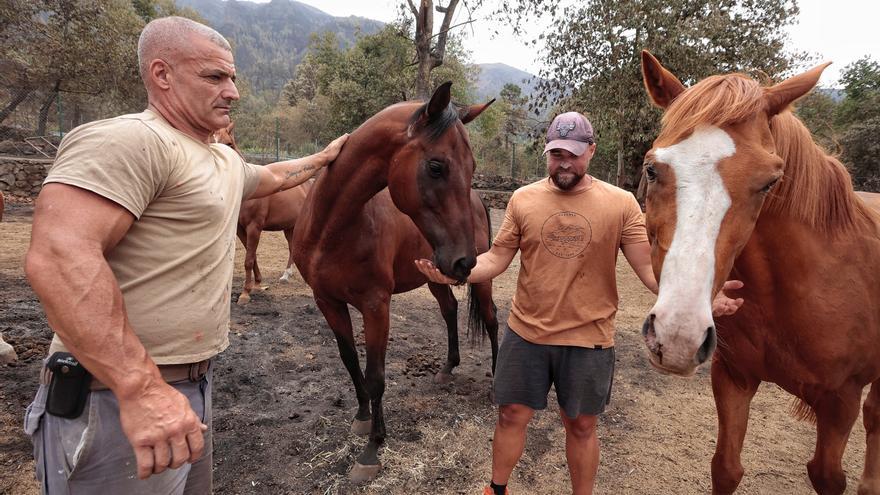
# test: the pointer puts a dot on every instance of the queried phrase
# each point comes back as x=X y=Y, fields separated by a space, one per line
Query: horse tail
x=477 y=327
x=802 y=411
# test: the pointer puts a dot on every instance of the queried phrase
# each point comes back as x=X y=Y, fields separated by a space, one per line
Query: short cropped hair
x=160 y=35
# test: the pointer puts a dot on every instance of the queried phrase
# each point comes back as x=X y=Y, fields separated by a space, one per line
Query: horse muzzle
x=459 y=268
x=677 y=353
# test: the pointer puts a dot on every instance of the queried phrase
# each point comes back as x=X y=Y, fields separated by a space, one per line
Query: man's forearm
x=489 y=265
x=85 y=307
x=291 y=173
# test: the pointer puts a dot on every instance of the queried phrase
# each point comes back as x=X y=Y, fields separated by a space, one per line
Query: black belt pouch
x=68 y=387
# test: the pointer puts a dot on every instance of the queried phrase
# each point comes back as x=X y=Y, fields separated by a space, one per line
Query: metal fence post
x=60 y=118
x=277 y=141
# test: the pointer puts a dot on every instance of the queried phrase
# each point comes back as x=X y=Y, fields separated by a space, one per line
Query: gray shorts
x=91 y=454
x=525 y=371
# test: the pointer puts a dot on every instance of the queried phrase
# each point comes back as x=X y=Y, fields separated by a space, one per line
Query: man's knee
x=514 y=415
x=582 y=427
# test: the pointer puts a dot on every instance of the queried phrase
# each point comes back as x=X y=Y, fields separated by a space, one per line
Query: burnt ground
x=283 y=403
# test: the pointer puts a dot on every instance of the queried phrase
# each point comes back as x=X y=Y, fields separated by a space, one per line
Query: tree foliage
x=81 y=49
x=335 y=89
x=592 y=59
x=848 y=127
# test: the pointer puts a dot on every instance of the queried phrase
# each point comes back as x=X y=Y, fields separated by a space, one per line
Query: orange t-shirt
x=566 y=293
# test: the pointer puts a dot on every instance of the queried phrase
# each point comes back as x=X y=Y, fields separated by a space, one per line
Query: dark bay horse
x=273 y=213
x=738 y=189
x=398 y=191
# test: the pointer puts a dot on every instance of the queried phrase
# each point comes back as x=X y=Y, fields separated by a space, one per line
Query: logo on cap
x=564 y=129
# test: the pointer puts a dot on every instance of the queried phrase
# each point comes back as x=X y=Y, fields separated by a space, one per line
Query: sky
x=841 y=31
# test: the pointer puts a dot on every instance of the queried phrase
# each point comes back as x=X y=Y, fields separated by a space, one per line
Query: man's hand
x=162 y=428
x=332 y=150
x=723 y=305
x=433 y=273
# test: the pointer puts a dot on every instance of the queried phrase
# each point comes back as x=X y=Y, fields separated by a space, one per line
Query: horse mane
x=816 y=188
x=717 y=100
x=439 y=124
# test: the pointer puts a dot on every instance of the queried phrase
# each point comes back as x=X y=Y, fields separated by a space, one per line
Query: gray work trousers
x=91 y=454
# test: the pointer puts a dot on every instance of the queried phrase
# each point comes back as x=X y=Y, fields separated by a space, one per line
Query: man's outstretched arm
x=489 y=265
x=283 y=175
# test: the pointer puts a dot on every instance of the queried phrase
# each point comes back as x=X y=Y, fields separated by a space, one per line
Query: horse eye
x=769 y=186
x=651 y=172
x=435 y=169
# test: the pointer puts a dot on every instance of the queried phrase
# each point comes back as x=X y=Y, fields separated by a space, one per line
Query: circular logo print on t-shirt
x=566 y=234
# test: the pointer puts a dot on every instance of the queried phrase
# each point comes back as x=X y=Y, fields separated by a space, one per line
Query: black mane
x=439 y=124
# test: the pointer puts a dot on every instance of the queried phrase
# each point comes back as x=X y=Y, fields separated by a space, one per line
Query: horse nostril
x=464 y=265
x=648 y=326
x=708 y=346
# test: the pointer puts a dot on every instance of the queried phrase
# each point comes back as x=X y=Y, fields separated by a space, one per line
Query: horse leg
x=285 y=277
x=251 y=241
x=376 y=324
x=835 y=414
x=255 y=234
x=7 y=352
x=449 y=310
x=870 y=482
x=337 y=316
x=732 y=401
x=245 y=295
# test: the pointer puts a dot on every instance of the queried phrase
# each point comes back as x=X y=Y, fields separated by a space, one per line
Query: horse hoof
x=263 y=287
x=243 y=299
x=359 y=427
x=7 y=353
x=284 y=280
x=442 y=378
x=362 y=474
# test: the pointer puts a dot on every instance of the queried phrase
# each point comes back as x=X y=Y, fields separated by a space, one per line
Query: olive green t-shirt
x=174 y=265
x=566 y=293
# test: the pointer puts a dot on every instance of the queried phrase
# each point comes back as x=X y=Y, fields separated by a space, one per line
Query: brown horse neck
x=361 y=169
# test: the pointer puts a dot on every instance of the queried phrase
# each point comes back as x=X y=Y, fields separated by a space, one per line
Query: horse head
x=429 y=179
x=227 y=136
x=708 y=174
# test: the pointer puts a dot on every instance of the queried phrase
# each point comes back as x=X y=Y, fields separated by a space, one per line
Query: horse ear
x=231 y=127
x=781 y=95
x=439 y=101
x=469 y=113
x=662 y=85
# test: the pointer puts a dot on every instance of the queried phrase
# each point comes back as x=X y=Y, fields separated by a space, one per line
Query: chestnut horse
x=399 y=190
x=273 y=213
x=738 y=189
x=7 y=352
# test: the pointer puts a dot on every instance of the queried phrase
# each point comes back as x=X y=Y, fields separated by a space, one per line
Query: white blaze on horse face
x=683 y=310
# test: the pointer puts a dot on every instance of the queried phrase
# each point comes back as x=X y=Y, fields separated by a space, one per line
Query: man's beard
x=566 y=180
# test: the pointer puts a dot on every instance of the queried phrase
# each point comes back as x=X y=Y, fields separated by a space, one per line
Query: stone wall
x=22 y=176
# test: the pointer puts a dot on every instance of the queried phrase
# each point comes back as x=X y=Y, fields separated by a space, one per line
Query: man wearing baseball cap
x=568 y=228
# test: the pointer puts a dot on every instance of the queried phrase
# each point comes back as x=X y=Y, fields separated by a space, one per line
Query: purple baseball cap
x=570 y=131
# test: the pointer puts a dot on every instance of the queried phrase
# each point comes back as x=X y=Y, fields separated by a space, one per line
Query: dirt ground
x=283 y=403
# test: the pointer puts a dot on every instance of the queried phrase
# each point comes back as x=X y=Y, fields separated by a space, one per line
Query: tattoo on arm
x=294 y=174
